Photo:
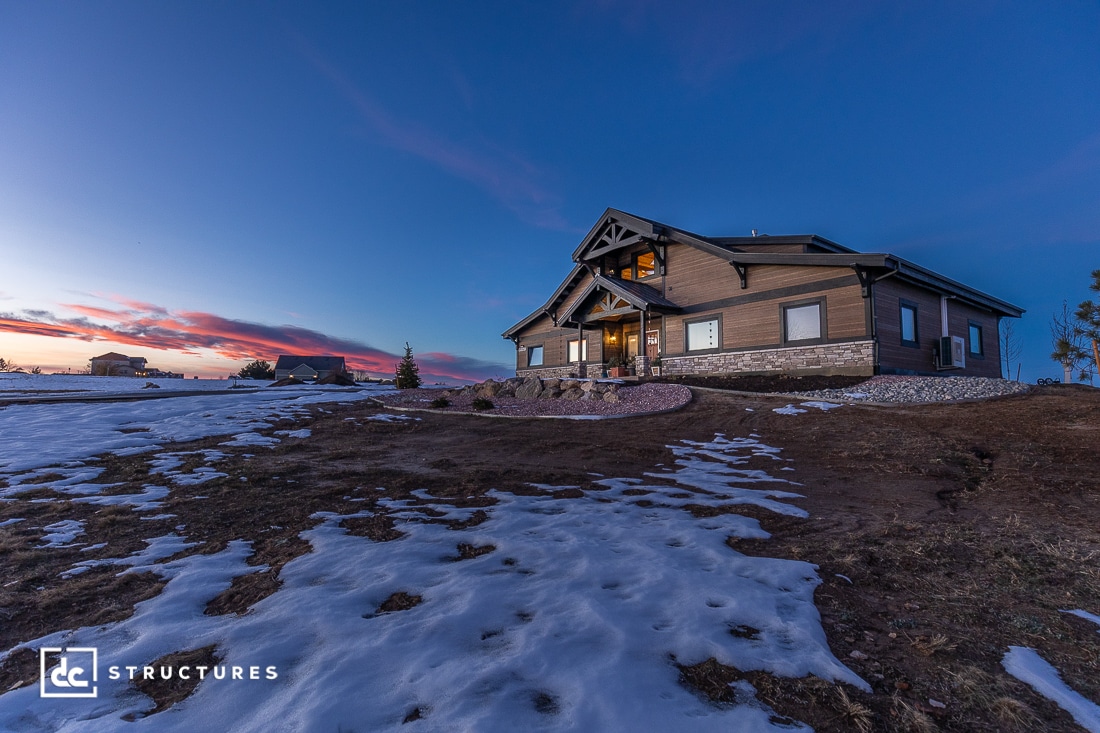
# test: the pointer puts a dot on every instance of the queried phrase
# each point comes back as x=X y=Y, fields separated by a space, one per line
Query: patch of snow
x=1026 y=665
x=158 y=549
x=788 y=410
x=1078 y=612
x=856 y=395
x=252 y=439
x=389 y=417
x=303 y=433
x=61 y=534
x=147 y=500
x=9 y=522
x=823 y=406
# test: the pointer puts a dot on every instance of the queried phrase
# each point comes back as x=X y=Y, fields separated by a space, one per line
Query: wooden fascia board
x=934 y=281
x=642 y=226
x=838 y=259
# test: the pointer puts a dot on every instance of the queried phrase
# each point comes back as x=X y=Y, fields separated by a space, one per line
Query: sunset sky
x=204 y=183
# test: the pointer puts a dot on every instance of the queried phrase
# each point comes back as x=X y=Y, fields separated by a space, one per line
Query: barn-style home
x=797 y=304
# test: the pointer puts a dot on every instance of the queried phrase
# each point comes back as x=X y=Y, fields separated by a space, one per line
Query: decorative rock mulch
x=533 y=397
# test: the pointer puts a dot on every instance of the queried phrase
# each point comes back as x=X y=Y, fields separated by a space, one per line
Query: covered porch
x=624 y=318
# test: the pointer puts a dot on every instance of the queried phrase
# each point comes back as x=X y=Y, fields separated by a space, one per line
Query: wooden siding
x=555 y=343
x=893 y=356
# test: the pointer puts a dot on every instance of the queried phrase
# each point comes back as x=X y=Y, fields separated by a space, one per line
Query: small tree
x=1010 y=346
x=36 y=370
x=258 y=369
x=1088 y=318
x=1066 y=338
x=8 y=366
x=408 y=373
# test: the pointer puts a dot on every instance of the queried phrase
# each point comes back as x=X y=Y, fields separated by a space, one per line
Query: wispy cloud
x=150 y=326
x=505 y=175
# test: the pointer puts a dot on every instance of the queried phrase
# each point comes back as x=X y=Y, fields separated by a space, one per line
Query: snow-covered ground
x=17 y=384
x=573 y=622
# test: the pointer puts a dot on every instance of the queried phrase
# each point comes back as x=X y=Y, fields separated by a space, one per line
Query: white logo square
x=75 y=675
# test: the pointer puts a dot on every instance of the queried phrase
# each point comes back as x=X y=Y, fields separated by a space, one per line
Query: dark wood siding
x=893 y=356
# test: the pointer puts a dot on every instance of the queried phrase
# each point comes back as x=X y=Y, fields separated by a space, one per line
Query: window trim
x=902 y=305
x=703 y=319
x=542 y=358
x=582 y=351
x=823 y=326
x=970 y=353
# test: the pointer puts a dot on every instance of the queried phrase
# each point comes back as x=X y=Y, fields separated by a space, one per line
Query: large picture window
x=702 y=335
x=578 y=350
x=909 y=336
x=534 y=356
x=645 y=265
x=802 y=322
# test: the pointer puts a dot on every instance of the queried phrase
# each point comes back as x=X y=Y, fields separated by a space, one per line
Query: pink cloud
x=152 y=327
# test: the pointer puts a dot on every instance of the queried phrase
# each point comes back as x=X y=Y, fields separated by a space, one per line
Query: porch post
x=582 y=368
x=641 y=364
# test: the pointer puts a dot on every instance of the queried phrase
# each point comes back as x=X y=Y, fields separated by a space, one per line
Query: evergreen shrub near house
x=481 y=403
x=408 y=373
x=440 y=402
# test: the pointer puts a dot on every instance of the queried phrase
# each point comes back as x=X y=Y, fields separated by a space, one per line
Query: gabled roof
x=616 y=230
x=316 y=363
x=111 y=356
x=639 y=295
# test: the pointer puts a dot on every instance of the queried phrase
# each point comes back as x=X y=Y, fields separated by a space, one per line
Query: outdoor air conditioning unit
x=952 y=353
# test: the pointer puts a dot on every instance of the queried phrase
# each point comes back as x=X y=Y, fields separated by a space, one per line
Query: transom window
x=702 y=335
x=802 y=322
x=578 y=353
x=534 y=356
x=909 y=324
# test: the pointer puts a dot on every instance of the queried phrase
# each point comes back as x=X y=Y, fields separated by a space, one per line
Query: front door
x=631 y=345
x=652 y=344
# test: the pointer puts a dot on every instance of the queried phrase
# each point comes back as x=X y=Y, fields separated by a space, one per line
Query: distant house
x=309 y=367
x=113 y=364
x=798 y=304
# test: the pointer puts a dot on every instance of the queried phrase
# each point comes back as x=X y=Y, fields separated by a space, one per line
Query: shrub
x=440 y=402
x=481 y=403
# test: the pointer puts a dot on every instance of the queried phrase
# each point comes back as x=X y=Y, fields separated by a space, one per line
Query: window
x=573 y=351
x=534 y=356
x=909 y=335
x=645 y=265
x=975 y=340
x=702 y=335
x=802 y=322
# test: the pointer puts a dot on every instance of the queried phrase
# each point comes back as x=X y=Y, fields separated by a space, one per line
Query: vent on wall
x=951 y=353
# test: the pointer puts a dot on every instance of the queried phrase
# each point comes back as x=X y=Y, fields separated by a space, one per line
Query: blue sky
x=196 y=176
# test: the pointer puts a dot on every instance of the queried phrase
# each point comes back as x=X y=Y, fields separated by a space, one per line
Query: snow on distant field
x=1026 y=665
x=571 y=619
x=51 y=434
x=15 y=384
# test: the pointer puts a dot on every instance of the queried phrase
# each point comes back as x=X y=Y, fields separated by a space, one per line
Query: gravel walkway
x=641 y=399
x=886 y=388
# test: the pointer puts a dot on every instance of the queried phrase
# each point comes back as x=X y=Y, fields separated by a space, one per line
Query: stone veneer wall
x=856 y=357
x=556 y=372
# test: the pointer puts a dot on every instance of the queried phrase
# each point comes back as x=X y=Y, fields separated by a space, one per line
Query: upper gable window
x=645 y=265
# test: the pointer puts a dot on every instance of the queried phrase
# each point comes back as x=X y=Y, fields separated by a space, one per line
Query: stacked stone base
x=532 y=387
x=856 y=358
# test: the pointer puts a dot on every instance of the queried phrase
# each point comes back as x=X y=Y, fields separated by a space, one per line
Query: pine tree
x=408 y=373
x=1088 y=317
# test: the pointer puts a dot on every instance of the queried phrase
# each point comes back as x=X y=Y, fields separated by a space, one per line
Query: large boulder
x=507 y=389
x=573 y=393
x=489 y=388
x=549 y=393
x=530 y=389
x=611 y=397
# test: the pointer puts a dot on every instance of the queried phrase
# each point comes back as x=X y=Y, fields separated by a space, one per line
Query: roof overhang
x=640 y=296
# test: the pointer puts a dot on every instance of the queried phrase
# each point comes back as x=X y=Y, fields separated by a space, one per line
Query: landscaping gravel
x=888 y=388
